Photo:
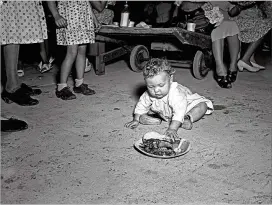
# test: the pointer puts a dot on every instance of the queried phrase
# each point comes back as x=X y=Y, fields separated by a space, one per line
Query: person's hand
x=133 y=124
x=171 y=133
x=60 y=21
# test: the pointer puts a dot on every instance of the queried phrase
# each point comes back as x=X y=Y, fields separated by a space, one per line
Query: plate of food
x=156 y=145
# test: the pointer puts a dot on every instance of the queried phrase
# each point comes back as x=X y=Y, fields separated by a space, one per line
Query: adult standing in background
x=22 y=22
x=254 y=24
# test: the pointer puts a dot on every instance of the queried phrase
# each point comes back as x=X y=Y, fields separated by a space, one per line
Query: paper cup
x=131 y=24
x=191 y=26
x=116 y=23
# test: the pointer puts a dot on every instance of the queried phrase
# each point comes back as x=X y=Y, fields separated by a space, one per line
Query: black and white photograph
x=136 y=102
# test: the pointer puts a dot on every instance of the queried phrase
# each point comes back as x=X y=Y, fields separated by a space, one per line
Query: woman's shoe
x=20 y=97
x=257 y=65
x=242 y=65
x=88 y=67
x=253 y=62
x=223 y=82
x=44 y=67
x=13 y=125
x=232 y=76
x=30 y=91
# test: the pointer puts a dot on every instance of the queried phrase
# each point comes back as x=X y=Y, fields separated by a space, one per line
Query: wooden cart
x=140 y=42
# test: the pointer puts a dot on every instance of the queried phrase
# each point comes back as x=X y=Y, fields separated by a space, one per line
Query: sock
x=79 y=82
x=61 y=86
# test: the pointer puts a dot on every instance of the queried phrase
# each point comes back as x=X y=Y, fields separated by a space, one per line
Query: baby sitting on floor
x=168 y=100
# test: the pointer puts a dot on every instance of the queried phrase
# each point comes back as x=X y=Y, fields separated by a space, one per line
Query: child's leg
x=80 y=87
x=81 y=61
x=63 y=91
x=195 y=114
x=234 y=49
x=44 y=51
x=67 y=63
x=150 y=119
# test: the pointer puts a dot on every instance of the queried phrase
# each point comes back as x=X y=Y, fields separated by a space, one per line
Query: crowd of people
x=75 y=24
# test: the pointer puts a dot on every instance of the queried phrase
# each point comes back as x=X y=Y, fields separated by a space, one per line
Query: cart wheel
x=138 y=58
x=200 y=69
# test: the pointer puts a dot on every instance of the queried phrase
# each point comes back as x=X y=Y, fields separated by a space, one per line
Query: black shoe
x=83 y=89
x=20 y=97
x=223 y=81
x=30 y=91
x=232 y=76
x=13 y=125
x=65 y=94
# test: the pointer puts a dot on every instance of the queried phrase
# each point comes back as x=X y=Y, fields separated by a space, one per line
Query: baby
x=167 y=100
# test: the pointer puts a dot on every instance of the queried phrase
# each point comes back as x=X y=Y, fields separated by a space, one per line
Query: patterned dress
x=80 y=29
x=252 y=24
x=22 y=22
x=227 y=27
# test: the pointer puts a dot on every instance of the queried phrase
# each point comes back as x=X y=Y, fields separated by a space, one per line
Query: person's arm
x=178 y=102
x=59 y=20
x=98 y=5
x=234 y=11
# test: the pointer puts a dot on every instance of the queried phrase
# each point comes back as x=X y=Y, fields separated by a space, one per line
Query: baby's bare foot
x=187 y=124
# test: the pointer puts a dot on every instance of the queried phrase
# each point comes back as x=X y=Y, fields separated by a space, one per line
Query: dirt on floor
x=80 y=152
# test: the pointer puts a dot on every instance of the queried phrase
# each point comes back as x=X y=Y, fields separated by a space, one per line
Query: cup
x=116 y=23
x=191 y=27
x=131 y=24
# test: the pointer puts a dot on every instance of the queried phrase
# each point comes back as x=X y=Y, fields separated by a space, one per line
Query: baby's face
x=158 y=86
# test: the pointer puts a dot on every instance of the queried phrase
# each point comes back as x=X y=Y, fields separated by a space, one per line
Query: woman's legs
x=234 y=49
x=221 y=70
x=218 y=51
x=16 y=92
x=250 y=50
x=11 y=55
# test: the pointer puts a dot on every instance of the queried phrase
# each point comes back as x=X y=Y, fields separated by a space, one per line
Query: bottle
x=125 y=16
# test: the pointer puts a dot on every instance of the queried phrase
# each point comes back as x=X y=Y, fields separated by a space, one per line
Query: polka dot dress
x=80 y=29
x=22 y=22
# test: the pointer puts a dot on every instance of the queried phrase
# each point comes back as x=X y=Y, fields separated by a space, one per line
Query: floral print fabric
x=252 y=24
x=80 y=29
x=22 y=22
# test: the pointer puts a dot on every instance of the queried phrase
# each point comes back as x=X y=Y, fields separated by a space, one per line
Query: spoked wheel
x=138 y=58
x=200 y=69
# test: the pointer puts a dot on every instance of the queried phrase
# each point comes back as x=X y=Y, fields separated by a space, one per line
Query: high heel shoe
x=253 y=62
x=242 y=65
x=223 y=82
x=257 y=65
x=232 y=75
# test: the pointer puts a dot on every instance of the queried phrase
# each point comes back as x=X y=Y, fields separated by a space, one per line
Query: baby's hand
x=171 y=133
x=133 y=124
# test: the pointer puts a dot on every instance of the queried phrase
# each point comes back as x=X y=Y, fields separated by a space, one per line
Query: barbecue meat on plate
x=157 y=144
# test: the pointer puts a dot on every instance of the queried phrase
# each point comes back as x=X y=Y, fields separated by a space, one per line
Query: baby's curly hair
x=156 y=65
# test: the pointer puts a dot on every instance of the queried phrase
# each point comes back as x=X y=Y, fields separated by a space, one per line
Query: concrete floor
x=80 y=152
